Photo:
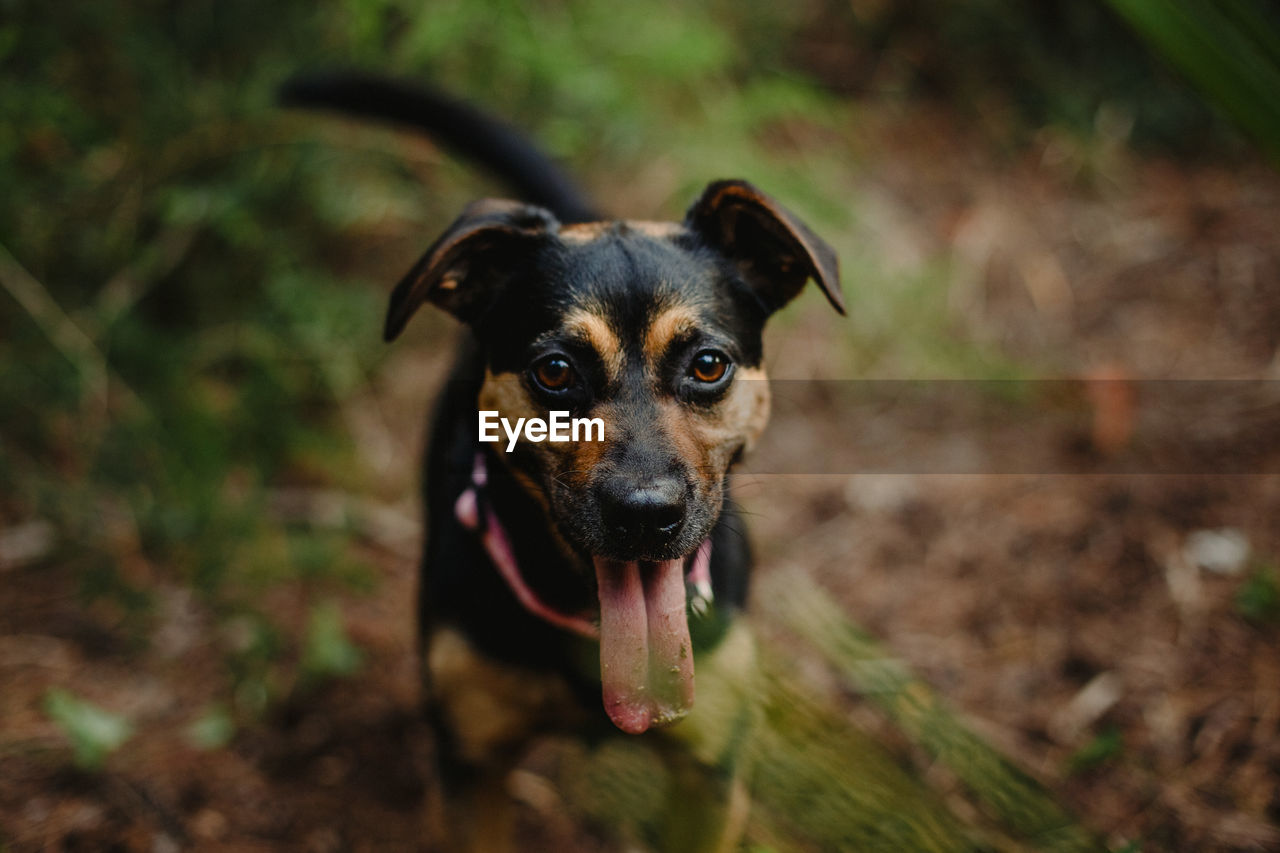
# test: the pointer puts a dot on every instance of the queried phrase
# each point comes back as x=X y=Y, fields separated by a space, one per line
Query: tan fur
x=586 y=456
x=665 y=327
x=585 y=232
x=745 y=411
x=710 y=439
x=679 y=427
x=507 y=395
x=595 y=330
x=660 y=230
x=492 y=708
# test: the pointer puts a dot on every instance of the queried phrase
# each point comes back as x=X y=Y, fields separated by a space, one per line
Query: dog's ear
x=464 y=270
x=774 y=250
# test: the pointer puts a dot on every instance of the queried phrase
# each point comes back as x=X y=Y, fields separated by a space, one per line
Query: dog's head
x=655 y=330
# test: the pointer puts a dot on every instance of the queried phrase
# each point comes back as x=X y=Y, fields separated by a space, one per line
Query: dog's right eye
x=709 y=366
x=553 y=373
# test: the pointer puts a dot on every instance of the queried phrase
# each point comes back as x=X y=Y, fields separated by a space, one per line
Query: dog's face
x=655 y=330
x=631 y=325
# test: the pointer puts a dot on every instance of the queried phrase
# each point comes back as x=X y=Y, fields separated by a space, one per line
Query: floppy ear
x=464 y=270
x=774 y=250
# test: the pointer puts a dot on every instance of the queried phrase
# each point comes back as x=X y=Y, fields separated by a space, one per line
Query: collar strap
x=498 y=546
x=472 y=515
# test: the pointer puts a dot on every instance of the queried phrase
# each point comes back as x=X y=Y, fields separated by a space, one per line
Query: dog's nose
x=642 y=517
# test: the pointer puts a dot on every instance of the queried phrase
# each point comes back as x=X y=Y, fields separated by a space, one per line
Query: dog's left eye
x=553 y=373
x=709 y=366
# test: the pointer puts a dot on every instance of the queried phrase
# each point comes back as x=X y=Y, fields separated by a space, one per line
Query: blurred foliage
x=212 y=730
x=816 y=782
x=612 y=87
x=1230 y=50
x=187 y=300
x=1258 y=598
x=180 y=327
x=94 y=733
x=183 y=312
x=1017 y=803
x=1017 y=66
x=1106 y=746
x=180 y=334
x=328 y=652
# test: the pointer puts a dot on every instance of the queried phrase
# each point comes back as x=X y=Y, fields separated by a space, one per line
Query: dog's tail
x=463 y=129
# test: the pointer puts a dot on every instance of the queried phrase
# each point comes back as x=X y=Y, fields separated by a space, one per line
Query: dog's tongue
x=646 y=658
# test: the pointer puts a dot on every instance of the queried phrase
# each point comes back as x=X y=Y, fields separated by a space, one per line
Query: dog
x=576 y=586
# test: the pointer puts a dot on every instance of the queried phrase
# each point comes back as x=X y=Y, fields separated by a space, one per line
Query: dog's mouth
x=646 y=656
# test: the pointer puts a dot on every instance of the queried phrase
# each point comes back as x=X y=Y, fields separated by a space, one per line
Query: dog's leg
x=485 y=713
x=470 y=810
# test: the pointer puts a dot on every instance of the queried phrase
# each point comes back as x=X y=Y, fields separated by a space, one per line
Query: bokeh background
x=208 y=514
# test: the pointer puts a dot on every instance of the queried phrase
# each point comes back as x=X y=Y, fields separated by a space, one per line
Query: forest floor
x=1078 y=618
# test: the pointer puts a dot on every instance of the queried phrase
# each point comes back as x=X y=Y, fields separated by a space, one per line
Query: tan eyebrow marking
x=585 y=232
x=665 y=327
x=595 y=330
x=655 y=229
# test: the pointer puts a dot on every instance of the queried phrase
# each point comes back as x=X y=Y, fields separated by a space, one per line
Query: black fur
x=511 y=273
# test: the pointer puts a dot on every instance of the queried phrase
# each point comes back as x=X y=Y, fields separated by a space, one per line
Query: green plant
x=1258 y=598
x=94 y=732
x=328 y=652
x=1229 y=50
x=1106 y=746
x=213 y=729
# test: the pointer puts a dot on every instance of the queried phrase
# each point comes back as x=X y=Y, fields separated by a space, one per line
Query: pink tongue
x=646 y=658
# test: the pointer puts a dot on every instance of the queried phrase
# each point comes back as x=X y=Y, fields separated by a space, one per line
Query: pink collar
x=498 y=546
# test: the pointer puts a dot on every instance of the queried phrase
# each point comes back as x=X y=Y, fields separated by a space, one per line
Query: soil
x=1065 y=616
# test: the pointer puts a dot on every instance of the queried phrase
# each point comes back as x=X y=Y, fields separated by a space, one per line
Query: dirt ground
x=1062 y=615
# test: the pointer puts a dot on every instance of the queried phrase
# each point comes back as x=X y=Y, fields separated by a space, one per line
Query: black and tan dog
x=567 y=585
